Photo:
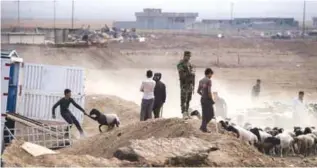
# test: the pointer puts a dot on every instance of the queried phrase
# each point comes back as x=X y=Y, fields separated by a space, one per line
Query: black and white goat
x=111 y=120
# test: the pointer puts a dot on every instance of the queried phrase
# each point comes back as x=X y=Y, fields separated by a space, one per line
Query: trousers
x=146 y=109
x=71 y=119
x=186 y=97
x=157 y=109
x=207 y=112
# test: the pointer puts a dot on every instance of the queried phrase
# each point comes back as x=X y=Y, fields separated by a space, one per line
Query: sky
x=123 y=10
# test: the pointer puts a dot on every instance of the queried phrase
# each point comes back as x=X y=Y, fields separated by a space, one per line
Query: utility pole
x=54 y=13
x=54 y=1
x=73 y=8
x=18 y=14
x=304 y=19
x=231 y=11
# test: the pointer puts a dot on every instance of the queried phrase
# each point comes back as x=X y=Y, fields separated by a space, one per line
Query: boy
x=204 y=89
x=147 y=87
x=66 y=114
x=159 y=94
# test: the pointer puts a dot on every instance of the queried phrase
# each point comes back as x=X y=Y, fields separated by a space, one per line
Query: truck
x=28 y=93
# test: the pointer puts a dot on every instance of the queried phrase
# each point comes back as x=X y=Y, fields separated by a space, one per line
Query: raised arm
x=54 y=107
x=181 y=71
x=77 y=106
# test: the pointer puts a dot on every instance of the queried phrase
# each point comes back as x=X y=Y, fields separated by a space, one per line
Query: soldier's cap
x=187 y=53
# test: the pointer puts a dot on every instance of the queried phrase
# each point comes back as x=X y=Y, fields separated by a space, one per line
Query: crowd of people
x=154 y=97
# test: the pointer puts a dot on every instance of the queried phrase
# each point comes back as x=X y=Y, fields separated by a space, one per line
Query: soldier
x=187 y=82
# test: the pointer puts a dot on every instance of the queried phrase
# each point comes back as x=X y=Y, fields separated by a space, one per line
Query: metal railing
x=44 y=136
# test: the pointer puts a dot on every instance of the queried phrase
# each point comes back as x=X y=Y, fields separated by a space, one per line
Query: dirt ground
x=285 y=67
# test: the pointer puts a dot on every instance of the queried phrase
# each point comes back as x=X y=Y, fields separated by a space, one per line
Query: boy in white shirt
x=147 y=87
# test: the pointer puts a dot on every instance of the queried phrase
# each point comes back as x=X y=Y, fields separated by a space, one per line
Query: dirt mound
x=127 y=111
x=232 y=152
x=167 y=151
x=15 y=156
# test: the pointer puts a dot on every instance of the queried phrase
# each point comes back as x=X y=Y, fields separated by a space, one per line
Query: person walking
x=65 y=112
x=221 y=105
x=159 y=95
x=187 y=82
x=256 y=89
x=147 y=87
x=204 y=89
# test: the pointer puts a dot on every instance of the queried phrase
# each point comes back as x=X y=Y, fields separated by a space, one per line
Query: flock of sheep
x=276 y=141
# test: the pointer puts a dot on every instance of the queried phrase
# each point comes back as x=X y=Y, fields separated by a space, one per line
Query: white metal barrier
x=53 y=137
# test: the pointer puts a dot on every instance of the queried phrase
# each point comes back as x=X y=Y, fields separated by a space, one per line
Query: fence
x=53 y=136
x=223 y=57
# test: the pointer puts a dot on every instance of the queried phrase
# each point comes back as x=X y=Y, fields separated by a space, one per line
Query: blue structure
x=12 y=95
x=14 y=79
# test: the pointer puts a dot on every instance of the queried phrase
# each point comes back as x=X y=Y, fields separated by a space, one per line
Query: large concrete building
x=255 y=23
x=156 y=19
x=315 y=22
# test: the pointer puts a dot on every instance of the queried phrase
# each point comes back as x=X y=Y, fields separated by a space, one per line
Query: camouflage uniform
x=187 y=83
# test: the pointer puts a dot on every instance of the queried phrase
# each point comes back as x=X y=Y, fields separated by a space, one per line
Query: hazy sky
x=124 y=9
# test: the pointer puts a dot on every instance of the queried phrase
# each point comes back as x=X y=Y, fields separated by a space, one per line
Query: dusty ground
x=285 y=67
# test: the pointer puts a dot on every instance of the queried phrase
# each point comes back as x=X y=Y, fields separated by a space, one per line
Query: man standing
x=221 y=106
x=66 y=114
x=256 y=89
x=187 y=82
x=204 y=89
x=147 y=87
x=159 y=94
x=299 y=110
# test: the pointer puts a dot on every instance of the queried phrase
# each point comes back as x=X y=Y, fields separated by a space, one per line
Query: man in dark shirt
x=256 y=89
x=66 y=114
x=204 y=89
x=159 y=95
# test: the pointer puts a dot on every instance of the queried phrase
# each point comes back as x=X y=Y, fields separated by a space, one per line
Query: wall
x=125 y=24
x=22 y=38
x=315 y=22
x=43 y=86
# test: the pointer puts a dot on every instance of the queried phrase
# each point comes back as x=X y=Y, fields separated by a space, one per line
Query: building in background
x=315 y=22
x=156 y=19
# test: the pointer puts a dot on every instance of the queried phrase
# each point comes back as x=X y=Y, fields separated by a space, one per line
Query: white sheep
x=287 y=142
x=246 y=135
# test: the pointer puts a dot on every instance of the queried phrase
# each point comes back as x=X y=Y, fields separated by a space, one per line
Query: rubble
x=104 y=35
x=167 y=151
x=15 y=156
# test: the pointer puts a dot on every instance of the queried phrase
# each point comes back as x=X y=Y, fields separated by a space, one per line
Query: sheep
x=110 y=120
x=240 y=132
x=307 y=130
x=270 y=143
x=266 y=141
x=305 y=143
x=195 y=115
x=286 y=143
x=245 y=135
